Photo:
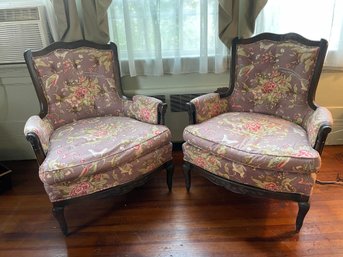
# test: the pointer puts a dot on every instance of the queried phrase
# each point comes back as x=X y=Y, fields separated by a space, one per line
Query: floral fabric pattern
x=94 y=138
x=41 y=127
x=143 y=108
x=271 y=180
x=209 y=105
x=256 y=140
x=94 y=145
x=320 y=117
x=78 y=83
x=119 y=175
x=274 y=78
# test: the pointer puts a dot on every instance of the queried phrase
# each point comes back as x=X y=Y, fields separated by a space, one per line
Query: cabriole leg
x=187 y=172
x=303 y=209
x=58 y=212
x=170 y=172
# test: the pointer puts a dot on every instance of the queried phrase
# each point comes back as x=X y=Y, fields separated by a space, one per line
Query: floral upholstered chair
x=91 y=141
x=263 y=135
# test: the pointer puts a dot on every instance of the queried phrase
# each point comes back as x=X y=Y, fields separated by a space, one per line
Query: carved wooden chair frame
x=302 y=200
x=58 y=207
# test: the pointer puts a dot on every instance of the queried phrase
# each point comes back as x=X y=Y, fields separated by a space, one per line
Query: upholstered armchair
x=263 y=135
x=91 y=141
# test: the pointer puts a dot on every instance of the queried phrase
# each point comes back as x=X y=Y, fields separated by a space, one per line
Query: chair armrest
x=145 y=108
x=319 y=122
x=207 y=106
x=38 y=131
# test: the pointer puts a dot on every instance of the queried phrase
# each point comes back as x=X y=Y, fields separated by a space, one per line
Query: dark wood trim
x=303 y=201
x=239 y=188
x=43 y=104
x=58 y=207
x=58 y=212
x=116 y=69
x=187 y=166
x=322 y=45
x=161 y=109
x=36 y=146
x=321 y=138
x=169 y=167
x=277 y=37
x=29 y=55
x=223 y=91
x=191 y=113
x=304 y=207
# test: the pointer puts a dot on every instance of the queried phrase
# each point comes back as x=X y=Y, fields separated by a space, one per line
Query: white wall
x=330 y=95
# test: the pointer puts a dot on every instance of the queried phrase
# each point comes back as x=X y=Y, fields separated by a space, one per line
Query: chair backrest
x=76 y=80
x=276 y=74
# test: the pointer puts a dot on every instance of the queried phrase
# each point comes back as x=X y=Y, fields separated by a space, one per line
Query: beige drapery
x=85 y=19
x=237 y=18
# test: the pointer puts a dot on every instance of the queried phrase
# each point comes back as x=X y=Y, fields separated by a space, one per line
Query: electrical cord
x=339 y=181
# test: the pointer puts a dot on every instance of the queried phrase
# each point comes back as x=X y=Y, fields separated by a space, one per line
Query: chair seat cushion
x=88 y=146
x=270 y=180
x=120 y=175
x=256 y=140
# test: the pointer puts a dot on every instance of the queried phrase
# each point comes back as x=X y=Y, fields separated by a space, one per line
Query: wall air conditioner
x=21 y=28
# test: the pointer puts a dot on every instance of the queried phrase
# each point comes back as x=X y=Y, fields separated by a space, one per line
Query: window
x=156 y=37
x=313 y=19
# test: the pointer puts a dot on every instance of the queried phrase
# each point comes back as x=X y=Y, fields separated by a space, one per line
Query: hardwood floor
x=149 y=221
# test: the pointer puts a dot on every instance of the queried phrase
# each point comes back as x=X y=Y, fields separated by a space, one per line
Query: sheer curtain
x=313 y=19
x=155 y=37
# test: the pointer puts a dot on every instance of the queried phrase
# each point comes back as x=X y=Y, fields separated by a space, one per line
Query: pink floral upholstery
x=271 y=180
x=273 y=77
x=41 y=127
x=209 y=105
x=267 y=137
x=89 y=146
x=143 y=108
x=89 y=139
x=78 y=83
x=256 y=140
x=315 y=120
x=91 y=134
x=108 y=178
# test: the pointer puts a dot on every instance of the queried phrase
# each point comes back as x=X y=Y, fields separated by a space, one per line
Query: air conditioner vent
x=178 y=102
x=19 y=14
x=160 y=97
x=22 y=29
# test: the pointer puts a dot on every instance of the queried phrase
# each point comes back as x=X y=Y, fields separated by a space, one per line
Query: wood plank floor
x=149 y=221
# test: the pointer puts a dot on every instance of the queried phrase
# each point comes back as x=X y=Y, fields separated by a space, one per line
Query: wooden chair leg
x=303 y=209
x=170 y=172
x=58 y=212
x=187 y=172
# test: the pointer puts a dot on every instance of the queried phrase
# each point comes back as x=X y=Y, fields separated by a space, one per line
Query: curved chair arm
x=38 y=131
x=207 y=106
x=318 y=126
x=145 y=108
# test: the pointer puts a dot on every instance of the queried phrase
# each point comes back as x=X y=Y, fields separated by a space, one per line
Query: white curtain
x=157 y=37
x=313 y=19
